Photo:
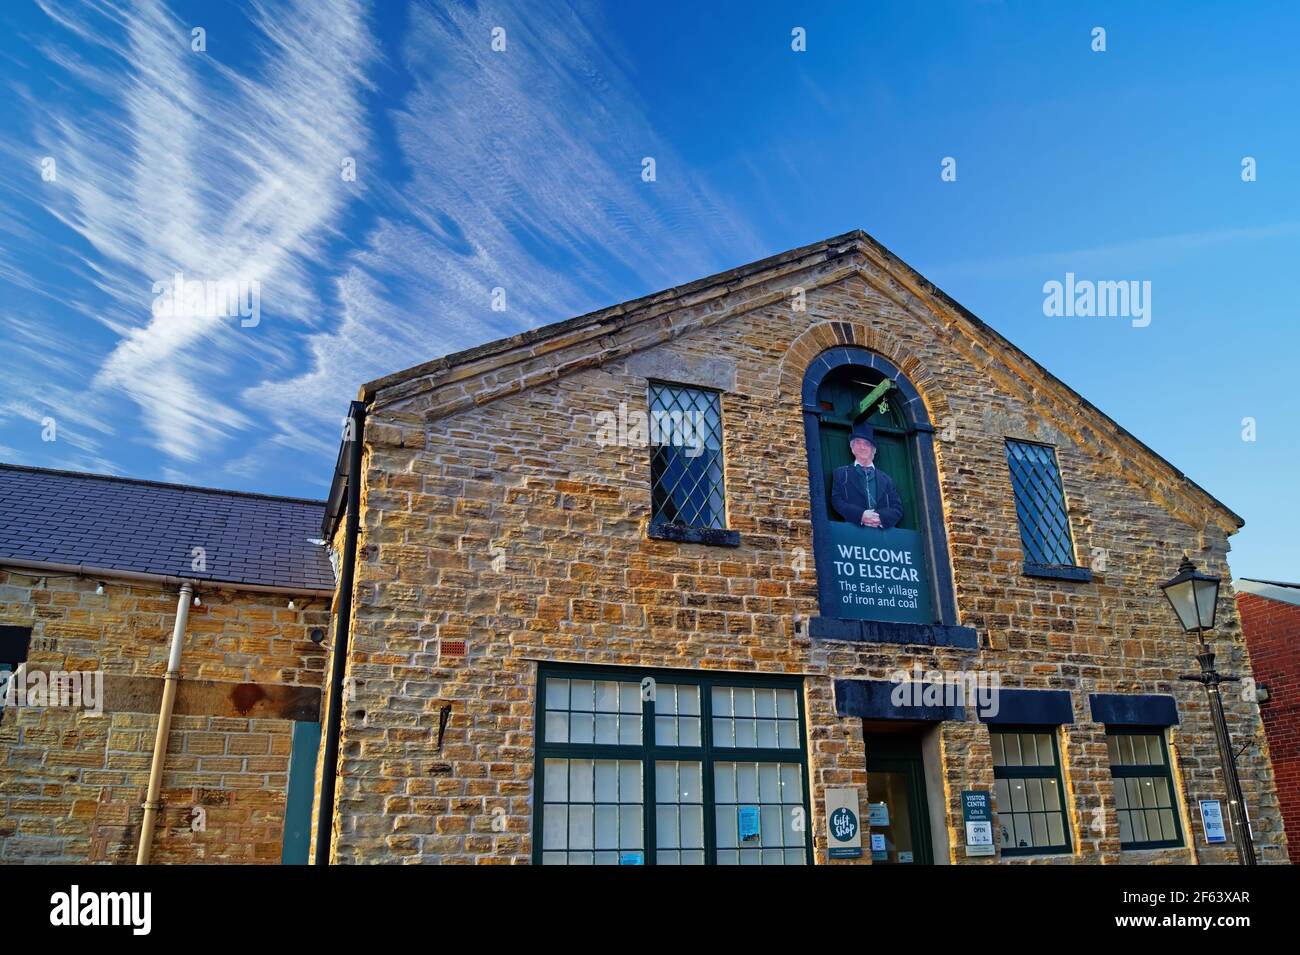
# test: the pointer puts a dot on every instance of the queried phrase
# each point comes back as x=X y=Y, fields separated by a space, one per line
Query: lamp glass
x=1182 y=597
x=1207 y=599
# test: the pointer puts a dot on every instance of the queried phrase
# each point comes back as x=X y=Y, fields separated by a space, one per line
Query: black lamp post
x=1194 y=596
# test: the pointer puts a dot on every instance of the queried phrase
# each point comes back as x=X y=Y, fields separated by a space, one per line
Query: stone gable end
x=492 y=515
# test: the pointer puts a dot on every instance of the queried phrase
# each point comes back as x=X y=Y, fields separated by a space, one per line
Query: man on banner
x=861 y=493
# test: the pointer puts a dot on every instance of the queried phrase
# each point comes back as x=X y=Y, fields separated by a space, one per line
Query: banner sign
x=878 y=574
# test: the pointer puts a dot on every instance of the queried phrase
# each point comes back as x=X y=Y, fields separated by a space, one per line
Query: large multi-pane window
x=1040 y=505
x=666 y=768
x=686 y=485
x=1030 y=794
x=1144 y=788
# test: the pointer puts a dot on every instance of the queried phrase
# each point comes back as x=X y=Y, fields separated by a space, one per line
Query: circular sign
x=844 y=824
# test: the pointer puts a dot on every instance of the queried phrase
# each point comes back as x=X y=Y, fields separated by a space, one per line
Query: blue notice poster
x=747 y=820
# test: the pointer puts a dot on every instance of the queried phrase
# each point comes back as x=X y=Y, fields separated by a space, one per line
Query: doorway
x=899 y=813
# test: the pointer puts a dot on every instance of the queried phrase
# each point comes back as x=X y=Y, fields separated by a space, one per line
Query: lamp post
x=1194 y=596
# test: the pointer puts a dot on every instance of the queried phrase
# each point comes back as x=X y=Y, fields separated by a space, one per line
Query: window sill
x=1058 y=572
x=684 y=534
x=875 y=631
x=1161 y=847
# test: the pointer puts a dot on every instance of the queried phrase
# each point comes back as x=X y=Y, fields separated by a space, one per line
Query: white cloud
x=519 y=169
x=525 y=173
x=198 y=168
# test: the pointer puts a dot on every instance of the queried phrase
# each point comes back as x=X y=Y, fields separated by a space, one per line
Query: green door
x=840 y=400
x=298 y=800
x=899 y=816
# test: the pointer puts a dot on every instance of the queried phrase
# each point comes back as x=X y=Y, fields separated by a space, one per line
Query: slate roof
x=110 y=523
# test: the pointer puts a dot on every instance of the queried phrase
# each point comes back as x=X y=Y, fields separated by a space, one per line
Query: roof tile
x=113 y=523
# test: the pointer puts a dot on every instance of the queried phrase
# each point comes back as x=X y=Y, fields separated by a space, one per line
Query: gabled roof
x=477 y=375
x=105 y=524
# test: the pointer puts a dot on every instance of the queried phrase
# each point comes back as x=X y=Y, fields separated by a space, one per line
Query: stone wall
x=72 y=783
x=490 y=514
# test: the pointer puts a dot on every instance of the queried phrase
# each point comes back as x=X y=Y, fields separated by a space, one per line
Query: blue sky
x=522 y=169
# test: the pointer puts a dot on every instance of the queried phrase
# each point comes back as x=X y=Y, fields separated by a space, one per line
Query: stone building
x=91 y=569
x=799 y=563
x=614 y=603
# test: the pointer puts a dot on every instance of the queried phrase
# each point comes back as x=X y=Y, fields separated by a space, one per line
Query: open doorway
x=899 y=807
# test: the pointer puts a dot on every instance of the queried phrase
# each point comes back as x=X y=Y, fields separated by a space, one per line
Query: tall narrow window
x=686 y=486
x=1030 y=794
x=1144 y=789
x=674 y=768
x=1040 y=505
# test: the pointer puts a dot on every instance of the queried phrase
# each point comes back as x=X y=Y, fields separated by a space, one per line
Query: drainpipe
x=329 y=770
x=151 y=803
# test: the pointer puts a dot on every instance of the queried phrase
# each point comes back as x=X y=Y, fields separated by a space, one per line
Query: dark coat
x=849 y=497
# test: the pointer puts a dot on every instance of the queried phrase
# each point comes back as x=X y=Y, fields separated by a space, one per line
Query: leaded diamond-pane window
x=1040 y=504
x=686 y=457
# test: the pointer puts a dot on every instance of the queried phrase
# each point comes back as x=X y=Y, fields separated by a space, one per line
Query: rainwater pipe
x=329 y=770
x=151 y=803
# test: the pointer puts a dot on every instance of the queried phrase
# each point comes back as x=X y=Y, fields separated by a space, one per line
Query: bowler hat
x=865 y=432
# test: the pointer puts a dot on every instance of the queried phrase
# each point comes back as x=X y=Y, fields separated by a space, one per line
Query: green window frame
x=1033 y=817
x=699 y=759
x=1146 y=802
x=687 y=483
x=1044 y=519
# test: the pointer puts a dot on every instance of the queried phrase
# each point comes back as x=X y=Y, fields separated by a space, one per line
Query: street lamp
x=1194 y=596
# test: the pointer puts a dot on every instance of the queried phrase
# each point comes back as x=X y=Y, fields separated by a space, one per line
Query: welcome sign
x=879 y=574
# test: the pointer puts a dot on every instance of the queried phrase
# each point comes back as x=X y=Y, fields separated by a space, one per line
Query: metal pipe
x=151 y=804
x=329 y=769
x=45 y=567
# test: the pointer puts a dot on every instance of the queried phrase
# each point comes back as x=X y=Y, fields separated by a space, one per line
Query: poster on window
x=878 y=569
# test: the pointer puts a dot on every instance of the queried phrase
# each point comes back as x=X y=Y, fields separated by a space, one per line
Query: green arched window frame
x=908 y=419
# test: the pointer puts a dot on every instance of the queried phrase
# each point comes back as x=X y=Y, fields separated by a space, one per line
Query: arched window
x=870 y=574
x=851 y=395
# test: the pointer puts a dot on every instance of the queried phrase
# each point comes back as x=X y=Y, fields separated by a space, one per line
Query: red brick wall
x=1272 y=630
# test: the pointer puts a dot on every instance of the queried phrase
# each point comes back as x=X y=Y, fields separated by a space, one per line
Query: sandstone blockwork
x=492 y=515
x=72 y=782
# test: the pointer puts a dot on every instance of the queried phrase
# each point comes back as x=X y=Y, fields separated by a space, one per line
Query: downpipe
x=151 y=803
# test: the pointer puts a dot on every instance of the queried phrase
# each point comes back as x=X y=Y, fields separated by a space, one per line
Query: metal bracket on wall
x=865 y=404
x=444 y=716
